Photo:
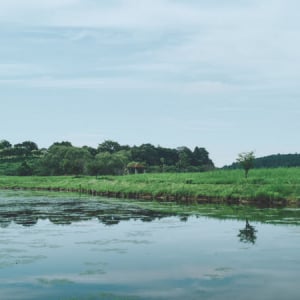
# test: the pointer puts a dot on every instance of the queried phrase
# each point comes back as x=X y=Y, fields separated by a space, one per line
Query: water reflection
x=248 y=234
x=170 y=258
x=66 y=211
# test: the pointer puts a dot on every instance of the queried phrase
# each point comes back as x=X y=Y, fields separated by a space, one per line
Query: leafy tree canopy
x=62 y=158
x=246 y=160
x=4 y=144
x=109 y=146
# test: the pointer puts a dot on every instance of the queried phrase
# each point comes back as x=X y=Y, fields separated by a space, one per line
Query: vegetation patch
x=266 y=187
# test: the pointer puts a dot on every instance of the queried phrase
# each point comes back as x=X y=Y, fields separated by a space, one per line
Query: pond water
x=54 y=247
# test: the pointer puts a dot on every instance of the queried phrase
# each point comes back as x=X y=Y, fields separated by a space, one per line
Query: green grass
x=222 y=185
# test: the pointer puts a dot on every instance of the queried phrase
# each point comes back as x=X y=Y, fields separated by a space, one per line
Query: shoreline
x=265 y=188
x=182 y=199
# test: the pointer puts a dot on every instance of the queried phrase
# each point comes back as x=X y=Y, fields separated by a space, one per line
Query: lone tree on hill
x=246 y=160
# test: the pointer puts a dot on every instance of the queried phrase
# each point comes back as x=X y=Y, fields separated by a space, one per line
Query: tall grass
x=223 y=185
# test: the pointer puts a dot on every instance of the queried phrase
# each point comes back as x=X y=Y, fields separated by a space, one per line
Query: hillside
x=272 y=161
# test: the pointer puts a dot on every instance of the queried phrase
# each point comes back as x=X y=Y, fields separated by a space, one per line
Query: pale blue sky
x=223 y=75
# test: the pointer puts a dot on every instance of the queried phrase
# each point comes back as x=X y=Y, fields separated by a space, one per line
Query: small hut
x=136 y=168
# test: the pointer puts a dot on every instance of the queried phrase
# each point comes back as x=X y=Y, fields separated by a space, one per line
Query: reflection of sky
x=165 y=258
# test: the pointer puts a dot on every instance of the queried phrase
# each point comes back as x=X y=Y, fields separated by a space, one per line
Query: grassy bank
x=264 y=186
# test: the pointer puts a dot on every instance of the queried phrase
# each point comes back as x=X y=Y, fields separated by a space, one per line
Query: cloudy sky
x=223 y=75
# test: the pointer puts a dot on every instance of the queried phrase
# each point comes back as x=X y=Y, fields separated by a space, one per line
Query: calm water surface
x=68 y=248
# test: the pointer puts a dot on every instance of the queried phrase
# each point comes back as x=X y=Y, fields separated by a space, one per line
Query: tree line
x=109 y=158
x=272 y=161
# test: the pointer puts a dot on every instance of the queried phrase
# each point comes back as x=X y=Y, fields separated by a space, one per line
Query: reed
x=262 y=186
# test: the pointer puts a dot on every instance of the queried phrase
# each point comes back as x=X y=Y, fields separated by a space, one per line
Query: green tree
x=65 y=160
x=185 y=156
x=75 y=161
x=201 y=159
x=91 y=150
x=109 y=146
x=29 y=146
x=63 y=143
x=4 y=144
x=102 y=163
x=52 y=163
x=107 y=163
x=25 y=149
x=24 y=169
x=146 y=153
x=170 y=156
x=246 y=160
x=122 y=158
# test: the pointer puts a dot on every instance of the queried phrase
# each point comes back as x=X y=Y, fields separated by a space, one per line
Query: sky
x=223 y=75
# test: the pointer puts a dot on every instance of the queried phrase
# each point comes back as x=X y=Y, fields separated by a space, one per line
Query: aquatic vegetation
x=155 y=250
x=63 y=209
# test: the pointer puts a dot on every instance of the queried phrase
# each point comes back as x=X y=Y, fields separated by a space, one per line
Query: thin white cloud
x=199 y=52
x=241 y=41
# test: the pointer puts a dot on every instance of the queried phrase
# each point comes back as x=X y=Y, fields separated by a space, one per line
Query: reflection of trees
x=67 y=211
x=248 y=234
x=4 y=222
x=27 y=220
x=184 y=218
x=109 y=220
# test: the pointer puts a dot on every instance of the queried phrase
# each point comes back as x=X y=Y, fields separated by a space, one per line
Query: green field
x=281 y=185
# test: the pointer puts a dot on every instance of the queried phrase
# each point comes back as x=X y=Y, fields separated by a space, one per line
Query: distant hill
x=272 y=161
